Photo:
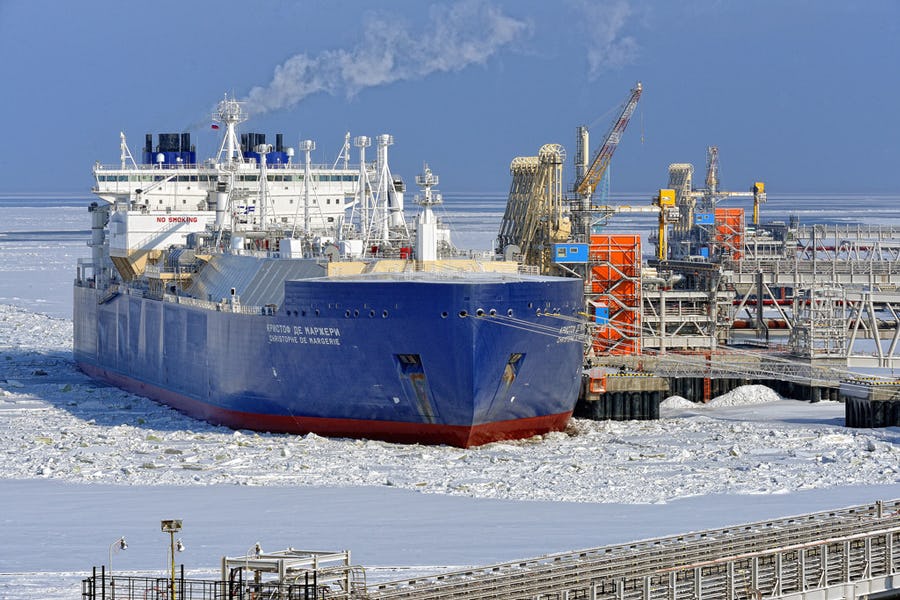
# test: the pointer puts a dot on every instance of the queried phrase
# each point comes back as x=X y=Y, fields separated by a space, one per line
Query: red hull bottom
x=463 y=436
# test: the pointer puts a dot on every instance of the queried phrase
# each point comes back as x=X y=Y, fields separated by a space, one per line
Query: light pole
x=172 y=526
x=255 y=551
x=121 y=544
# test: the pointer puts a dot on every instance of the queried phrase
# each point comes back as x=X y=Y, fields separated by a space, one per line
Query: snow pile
x=746 y=394
x=677 y=402
x=56 y=423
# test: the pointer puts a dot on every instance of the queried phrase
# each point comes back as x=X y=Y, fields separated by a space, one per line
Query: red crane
x=594 y=173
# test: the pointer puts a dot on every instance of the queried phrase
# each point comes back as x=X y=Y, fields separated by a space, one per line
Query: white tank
x=397 y=209
x=426 y=236
x=291 y=248
x=352 y=248
x=221 y=205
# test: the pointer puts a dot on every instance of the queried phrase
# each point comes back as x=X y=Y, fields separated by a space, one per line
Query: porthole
x=445 y=314
x=479 y=312
x=347 y=313
x=509 y=313
x=492 y=312
x=384 y=314
x=530 y=305
x=356 y=313
x=371 y=314
x=463 y=314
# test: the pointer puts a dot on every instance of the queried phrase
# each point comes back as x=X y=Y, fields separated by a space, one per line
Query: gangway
x=835 y=554
x=846 y=553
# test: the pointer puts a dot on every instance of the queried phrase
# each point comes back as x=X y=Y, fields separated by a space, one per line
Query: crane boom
x=594 y=173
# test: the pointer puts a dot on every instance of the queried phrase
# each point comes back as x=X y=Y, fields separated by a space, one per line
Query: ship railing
x=116 y=287
x=117 y=169
x=449 y=271
x=470 y=254
x=251 y=165
x=132 y=291
x=155 y=271
x=225 y=306
x=256 y=253
x=352 y=169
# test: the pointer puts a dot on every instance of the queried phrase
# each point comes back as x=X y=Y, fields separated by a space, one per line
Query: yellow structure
x=668 y=213
x=534 y=219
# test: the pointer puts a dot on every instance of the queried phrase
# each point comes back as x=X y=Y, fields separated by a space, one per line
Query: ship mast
x=362 y=142
x=426 y=223
x=307 y=146
x=229 y=112
x=344 y=154
x=125 y=153
x=384 y=180
x=263 y=150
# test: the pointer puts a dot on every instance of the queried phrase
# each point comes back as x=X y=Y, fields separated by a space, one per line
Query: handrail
x=215 y=167
x=857 y=545
x=715 y=542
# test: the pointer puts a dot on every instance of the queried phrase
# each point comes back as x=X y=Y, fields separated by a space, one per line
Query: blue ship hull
x=458 y=361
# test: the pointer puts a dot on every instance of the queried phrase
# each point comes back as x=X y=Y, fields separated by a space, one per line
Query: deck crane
x=712 y=194
x=587 y=178
x=536 y=214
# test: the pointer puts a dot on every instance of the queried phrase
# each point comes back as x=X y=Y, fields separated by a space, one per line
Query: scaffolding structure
x=613 y=293
x=534 y=218
x=819 y=327
x=729 y=233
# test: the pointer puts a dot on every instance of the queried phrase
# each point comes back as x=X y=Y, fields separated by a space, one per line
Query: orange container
x=615 y=271
x=730 y=231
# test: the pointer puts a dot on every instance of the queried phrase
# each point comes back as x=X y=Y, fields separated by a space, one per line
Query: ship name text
x=280 y=333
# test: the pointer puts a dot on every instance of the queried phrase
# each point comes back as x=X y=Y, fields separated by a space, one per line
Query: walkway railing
x=834 y=554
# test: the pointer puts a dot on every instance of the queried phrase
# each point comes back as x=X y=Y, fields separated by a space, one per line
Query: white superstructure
x=250 y=186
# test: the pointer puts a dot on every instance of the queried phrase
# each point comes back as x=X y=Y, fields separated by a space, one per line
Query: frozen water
x=83 y=464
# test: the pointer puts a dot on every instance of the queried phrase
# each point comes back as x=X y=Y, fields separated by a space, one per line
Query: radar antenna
x=229 y=112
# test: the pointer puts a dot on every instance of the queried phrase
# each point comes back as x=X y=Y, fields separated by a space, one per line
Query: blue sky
x=801 y=94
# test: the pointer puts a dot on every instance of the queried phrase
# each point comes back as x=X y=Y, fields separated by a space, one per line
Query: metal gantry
x=534 y=218
x=844 y=553
x=845 y=280
x=854 y=551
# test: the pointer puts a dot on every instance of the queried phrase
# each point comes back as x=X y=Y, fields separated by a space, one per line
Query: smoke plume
x=607 y=47
x=457 y=36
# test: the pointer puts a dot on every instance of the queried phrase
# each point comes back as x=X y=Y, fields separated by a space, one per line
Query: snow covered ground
x=57 y=424
x=82 y=464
